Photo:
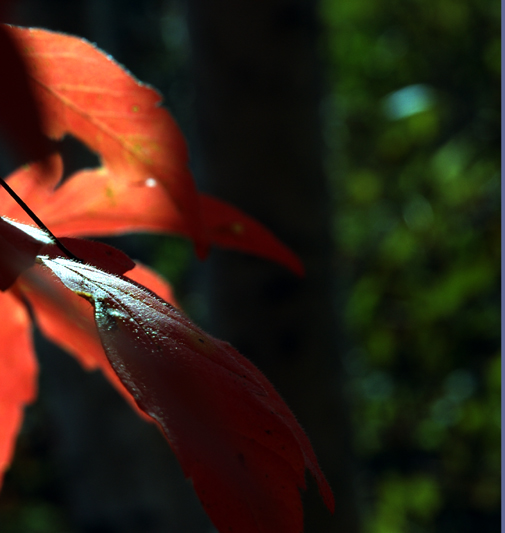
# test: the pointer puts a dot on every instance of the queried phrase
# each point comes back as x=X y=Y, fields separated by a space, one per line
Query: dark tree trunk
x=257 y=99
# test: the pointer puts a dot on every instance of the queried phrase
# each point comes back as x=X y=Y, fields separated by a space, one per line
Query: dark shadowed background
x=365 y=134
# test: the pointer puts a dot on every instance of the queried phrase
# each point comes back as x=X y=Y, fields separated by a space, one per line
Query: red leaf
x=62 y=317
x=67 y=320
x=232 y=433
x=112 y=207
x=18 y=372
x=154 y=282
x=231 y=228
x=82 y=91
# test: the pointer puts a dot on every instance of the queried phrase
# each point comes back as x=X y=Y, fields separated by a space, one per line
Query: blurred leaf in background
x=412 y=116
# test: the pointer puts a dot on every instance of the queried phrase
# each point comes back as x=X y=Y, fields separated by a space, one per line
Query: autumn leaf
x=98 y=254
x=233 y=434
x=112 y=207
x=81 y=91
x=229 y=227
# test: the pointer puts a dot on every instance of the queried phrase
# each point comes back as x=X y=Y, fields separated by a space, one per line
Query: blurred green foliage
x=412 y=130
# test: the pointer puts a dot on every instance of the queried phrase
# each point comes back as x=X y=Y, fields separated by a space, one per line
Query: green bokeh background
x=412 y=119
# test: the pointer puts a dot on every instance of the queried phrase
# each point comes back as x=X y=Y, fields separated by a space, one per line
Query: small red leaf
x=21 y=243
x=232 y=433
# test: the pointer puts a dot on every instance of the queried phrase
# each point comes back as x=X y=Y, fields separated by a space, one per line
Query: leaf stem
x=36 y=219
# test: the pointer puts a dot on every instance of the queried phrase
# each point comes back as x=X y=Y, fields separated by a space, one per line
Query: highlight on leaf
x=83 y=91
x=19 y=246
x=232 y=433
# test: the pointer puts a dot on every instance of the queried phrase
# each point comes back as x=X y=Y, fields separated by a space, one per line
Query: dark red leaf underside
x=231 y=431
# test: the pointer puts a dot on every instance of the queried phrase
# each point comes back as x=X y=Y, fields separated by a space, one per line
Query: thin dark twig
x=37 y=220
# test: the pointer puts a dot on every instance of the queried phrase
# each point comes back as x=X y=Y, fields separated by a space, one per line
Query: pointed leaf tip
x=230 y=227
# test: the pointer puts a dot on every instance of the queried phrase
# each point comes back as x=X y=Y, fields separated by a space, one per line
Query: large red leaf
x=18 y=373
x=126 y=194
x=82 y=91
x=112 y=207
x=233 y=434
